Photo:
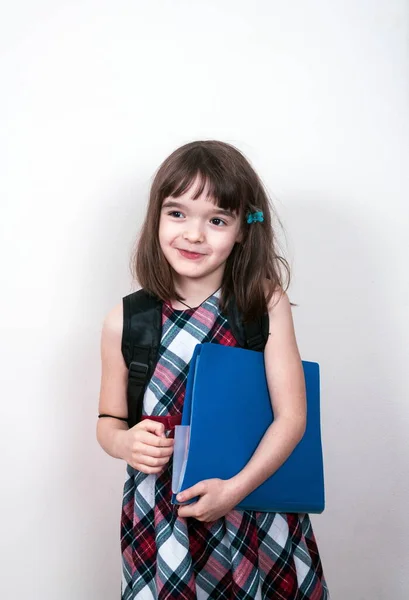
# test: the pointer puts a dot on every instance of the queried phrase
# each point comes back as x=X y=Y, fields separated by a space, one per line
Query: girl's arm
x=145 y=446
x=286 y=384
x=114 y=375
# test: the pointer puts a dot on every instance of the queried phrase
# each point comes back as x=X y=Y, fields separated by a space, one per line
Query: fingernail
x=179 y=497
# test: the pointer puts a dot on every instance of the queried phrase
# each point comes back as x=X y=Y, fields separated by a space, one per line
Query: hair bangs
x=219 y=188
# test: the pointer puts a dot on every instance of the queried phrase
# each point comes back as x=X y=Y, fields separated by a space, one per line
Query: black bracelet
x=113 y=417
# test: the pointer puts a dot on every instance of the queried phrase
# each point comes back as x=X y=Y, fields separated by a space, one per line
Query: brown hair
x=232 y=183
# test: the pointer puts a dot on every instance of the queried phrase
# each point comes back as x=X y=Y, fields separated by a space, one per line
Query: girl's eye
x=218 y=222
x=176 y=213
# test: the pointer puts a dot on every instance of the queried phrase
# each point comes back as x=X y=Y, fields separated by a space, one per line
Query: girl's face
x=197 y=237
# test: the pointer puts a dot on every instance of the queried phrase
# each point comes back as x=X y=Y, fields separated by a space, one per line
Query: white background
x=94 y=95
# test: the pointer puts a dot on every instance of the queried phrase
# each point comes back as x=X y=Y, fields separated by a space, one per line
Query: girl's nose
x=194 y=233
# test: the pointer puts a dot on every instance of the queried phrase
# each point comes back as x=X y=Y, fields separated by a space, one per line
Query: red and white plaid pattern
x=245 y=555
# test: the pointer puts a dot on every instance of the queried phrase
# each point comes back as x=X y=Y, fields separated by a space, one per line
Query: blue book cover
x=227 y=409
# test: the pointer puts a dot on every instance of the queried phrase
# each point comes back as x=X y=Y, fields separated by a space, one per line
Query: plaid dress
x=244 y=556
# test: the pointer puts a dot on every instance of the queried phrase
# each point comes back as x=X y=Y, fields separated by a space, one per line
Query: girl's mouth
x=190 y=255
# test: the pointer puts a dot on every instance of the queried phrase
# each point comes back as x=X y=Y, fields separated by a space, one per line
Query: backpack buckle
x=256 y=342
x=138 y=371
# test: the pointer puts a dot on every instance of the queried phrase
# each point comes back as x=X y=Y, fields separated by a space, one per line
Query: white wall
x=94 y=95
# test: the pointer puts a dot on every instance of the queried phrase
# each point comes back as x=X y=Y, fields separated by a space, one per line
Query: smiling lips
x=190 y=255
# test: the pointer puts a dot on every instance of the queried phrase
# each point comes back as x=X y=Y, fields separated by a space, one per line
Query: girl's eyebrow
x=180 y=206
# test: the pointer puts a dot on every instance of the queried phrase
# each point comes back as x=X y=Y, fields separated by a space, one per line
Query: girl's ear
x=240 y=236
x=240 y=233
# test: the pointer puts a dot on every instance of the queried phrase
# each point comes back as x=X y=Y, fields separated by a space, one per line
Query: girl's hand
x=217 y=498
x=146 y=448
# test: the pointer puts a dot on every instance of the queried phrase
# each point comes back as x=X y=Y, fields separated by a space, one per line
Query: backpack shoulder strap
x=252 y=335
x=141 y=335
x=257 y=333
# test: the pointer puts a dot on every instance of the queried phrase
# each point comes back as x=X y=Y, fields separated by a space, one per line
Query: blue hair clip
x=255 y=217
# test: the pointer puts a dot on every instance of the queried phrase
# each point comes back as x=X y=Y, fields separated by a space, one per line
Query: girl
x=207 y=237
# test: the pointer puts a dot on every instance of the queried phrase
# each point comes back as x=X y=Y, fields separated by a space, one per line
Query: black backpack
x=142 y=331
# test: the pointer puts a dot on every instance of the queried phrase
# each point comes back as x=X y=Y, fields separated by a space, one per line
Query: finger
x=152 y=461
x=154 y=451
x=153 y=440
x=146 y=469
x=190 y=510
x=196 y=490
x=152 y=426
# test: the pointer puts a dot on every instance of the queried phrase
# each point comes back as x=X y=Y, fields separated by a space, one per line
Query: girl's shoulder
x=113 y=322
x=281 y=341
x=277 y=299
x=111 y=341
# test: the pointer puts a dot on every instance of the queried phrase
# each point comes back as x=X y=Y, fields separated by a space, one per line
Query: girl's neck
x=194 y=292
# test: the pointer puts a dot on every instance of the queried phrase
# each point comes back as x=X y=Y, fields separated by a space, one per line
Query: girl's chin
x=192 y=272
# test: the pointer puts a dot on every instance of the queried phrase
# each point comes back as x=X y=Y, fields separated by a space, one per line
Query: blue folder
x=226 y=411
